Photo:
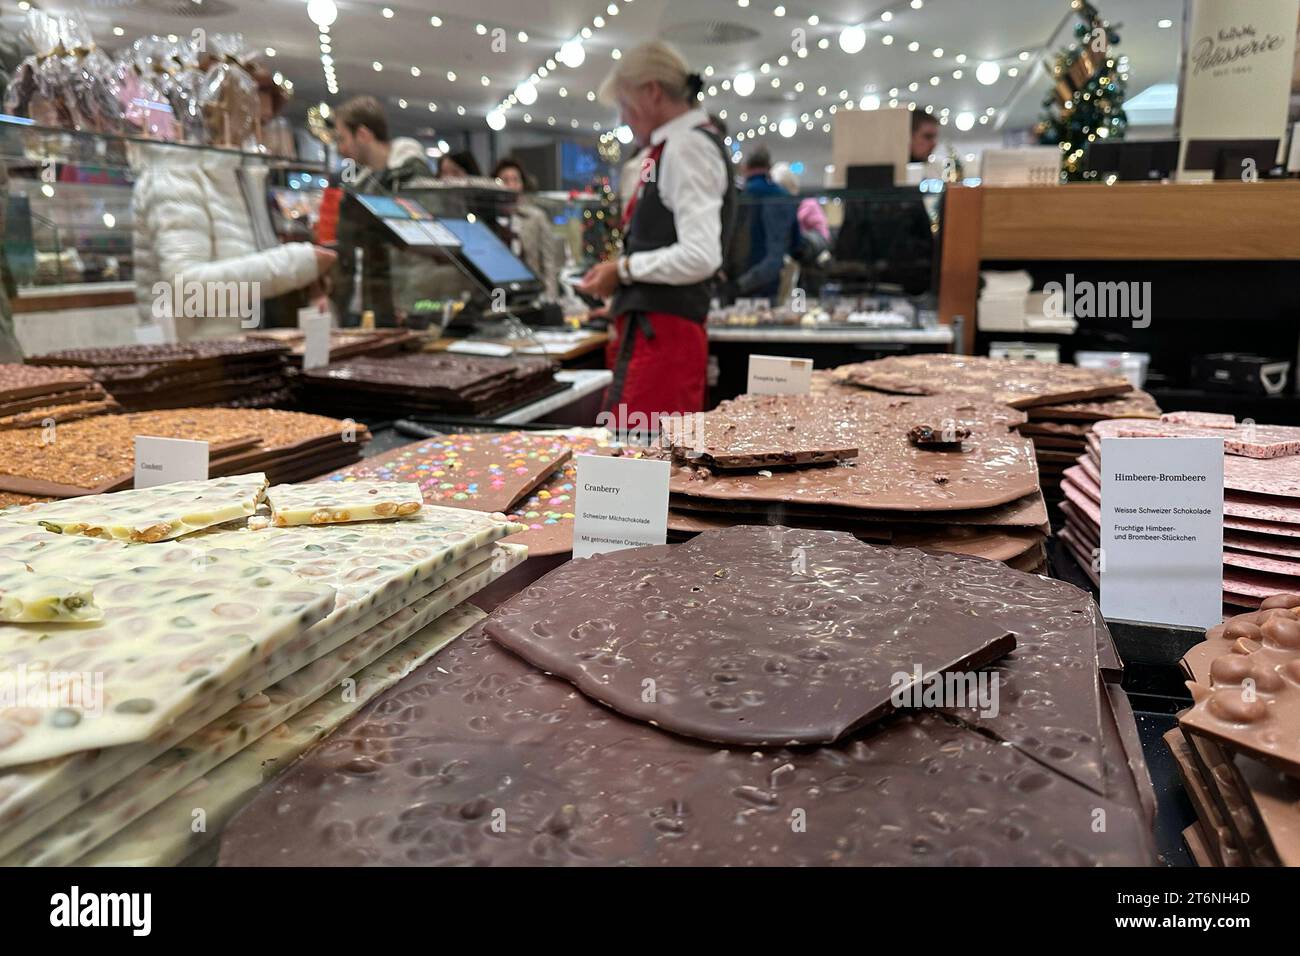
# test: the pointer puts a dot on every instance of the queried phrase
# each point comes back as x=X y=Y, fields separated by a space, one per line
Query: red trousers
x=667 y=371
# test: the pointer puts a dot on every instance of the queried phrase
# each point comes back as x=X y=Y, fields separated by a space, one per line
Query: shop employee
x=674 y=227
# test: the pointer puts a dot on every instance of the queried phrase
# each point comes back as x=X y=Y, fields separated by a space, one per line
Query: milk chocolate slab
x=1228 y=794
x=1131 y=776
x=687 y=524
x=168 y=355
x=1066 y=431
x=1274 y=798
x=1252 y=703
x=993 y=467
x=1223 y=844
x=1197 y=847
x=90 y=393
x=483 y=472
x=1051 y=443
x=56 y=414
x=417 y=778
x=753 y=636
x=1027 y=512
x=1019 y=384
x=24 y=381
x=762 y=431
x=1134 y=404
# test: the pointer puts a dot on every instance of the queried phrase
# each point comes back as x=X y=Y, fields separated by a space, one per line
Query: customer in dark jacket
x=374 y=164
x=773 y=228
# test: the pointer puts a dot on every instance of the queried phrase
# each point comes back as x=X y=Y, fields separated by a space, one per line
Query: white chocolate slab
x=335 y=502
x=204 y=750
x=150 y=515
x=30 y=598
x=166 y=835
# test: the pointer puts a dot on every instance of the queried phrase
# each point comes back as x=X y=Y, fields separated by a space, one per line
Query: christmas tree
x=1088 y=87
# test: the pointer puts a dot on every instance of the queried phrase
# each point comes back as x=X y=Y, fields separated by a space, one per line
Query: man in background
x=374 y=163
x=772 y=227
x=925 y=137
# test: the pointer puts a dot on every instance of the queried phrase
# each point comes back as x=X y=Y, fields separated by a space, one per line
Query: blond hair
x=652 y=62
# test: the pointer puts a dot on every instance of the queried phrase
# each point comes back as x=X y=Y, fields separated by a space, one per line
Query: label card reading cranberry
x=619 y=503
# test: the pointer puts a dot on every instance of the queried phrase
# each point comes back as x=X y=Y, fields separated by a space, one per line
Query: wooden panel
x=73 y=300
x=959 y=264
x=1216 y=220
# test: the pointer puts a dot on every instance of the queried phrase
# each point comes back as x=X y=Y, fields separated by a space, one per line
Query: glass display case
x=68 y=223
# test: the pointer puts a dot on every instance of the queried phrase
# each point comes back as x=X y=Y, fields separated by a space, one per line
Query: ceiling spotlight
x=1164 y=24
x=823 y=44
x=886 y=16
x=1024 y=55
x=401 y=104
x=270 y=51
x=988 y=72
x=415 y=71
x=853 y=39
x=435 y=21
x=526 y=93
x=616 y=54
x=591 y=97
x=523 y=37
x=743 y=84
x=496 y=120
x=387 y=12
x=433 y=107
x=460 y=111
x=624 y=135
x=480 y=29
x=451 y=76
x=788 y=127
x=961 y=57
x=585 y=33
x=484 y=81
x=814 y=20
x=913 y=47
x=917 y=4
x=377 y=66
x=322 y=12
x=870 y=102
x=612 y=9
x=887 y=39
x=572 y=54
x=779 y=12
x=965 y=121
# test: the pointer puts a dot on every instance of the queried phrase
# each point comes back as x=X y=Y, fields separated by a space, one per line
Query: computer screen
x=487 y=254
x=385 y=207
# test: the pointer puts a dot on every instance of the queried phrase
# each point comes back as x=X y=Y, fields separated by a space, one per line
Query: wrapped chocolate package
x=90 y=79
x=36 y=91
x=142 y=90
x=228 y=95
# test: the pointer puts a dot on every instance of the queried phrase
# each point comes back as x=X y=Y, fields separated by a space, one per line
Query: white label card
x=159 y=461
x=778 y=375
x=316 y=340
x=619 y=503
x=1161 y=556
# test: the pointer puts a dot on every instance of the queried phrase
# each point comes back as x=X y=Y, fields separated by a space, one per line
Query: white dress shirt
x=692 y=182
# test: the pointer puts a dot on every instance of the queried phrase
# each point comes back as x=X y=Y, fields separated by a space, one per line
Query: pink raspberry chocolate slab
x=753 y=636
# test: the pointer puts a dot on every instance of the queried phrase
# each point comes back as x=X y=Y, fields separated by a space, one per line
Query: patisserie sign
x=1236 y=82
x=1161 y=555
x=619 y=503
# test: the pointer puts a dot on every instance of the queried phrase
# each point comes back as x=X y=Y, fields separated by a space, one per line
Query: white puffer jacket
x=192 y=225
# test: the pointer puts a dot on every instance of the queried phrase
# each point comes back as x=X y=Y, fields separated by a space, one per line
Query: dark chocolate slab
x=749 y=635
x=478 y=759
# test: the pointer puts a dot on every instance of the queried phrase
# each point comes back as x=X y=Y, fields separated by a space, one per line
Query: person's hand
x=325 y=259
x=601 y=280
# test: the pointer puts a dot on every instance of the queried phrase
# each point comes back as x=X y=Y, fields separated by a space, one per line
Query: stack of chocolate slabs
x=431 y=383
x=1055 y=397
x=344 y=343
x=943 y=473
x=1261 y=498
x=97 y=455
x=1236 y=747
x=232 y=373
x=202 y=631
x=756 y=696
x=38 y=397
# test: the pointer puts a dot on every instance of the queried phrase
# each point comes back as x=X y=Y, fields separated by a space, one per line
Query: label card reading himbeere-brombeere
x=619 y=503
x=779 y=375
x=160 y=461
x=1161 y=555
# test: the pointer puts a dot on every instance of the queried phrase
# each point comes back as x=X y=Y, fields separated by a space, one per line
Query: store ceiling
x=482 y=39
